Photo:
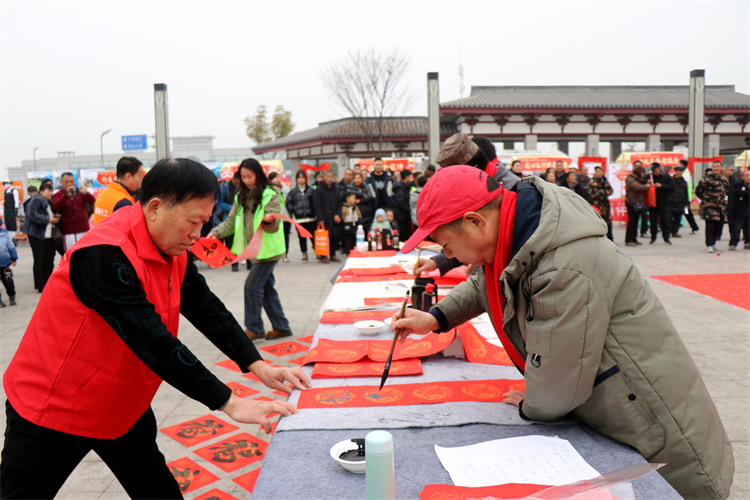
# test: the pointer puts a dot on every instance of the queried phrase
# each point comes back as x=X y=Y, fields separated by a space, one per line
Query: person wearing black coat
x=401 y=208
x=299 y=204
x=664 y=186
x=327 y=204
x=677 y=201
x=739 y=214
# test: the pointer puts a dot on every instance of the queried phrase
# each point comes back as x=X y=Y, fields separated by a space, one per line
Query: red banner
x=309 y=168
x=619 y=212
x=489 y=391
x=668 y=158
x=541 y=163
x=392 y=164
x=693 y=161
x=599 y=160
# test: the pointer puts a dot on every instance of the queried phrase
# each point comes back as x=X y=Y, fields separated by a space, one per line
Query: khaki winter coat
x=608 y=350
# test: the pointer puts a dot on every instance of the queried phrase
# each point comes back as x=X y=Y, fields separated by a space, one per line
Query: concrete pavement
x=716 y=333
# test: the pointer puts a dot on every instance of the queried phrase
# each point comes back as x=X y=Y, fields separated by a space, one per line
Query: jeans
x=260 y=295
x=36 y=461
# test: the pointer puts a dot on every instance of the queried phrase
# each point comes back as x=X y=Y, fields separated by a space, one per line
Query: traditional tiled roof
x=348 y=129
x=596 y=97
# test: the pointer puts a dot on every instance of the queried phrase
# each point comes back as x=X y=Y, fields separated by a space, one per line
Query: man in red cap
x=577 y=318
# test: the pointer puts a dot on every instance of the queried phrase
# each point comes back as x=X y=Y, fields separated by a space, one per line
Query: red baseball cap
x=448 y=195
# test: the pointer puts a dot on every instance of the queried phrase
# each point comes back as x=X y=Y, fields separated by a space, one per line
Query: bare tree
x=369 y=86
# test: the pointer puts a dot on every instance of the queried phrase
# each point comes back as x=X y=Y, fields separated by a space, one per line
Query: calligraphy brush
x=419 y=254
x=393 y=344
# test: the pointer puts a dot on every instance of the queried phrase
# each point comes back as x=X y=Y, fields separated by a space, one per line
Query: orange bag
x=651 y=197
x=321 y=241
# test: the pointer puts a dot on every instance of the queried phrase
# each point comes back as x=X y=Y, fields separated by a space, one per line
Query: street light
x=101 y=145
x=35 y=148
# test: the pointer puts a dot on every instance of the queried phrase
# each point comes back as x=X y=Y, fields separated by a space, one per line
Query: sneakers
x=254 y=336
x=276 y=334
x=285 y=259
x=304 y=257
x=694 y=231
x=13 y=300
x=710 y=249
x=732 y=248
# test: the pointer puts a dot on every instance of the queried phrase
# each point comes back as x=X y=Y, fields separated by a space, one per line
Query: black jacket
x=299 y=204
x=678 y=197
x=327 y=203
x=662 y=193
x=739 y=196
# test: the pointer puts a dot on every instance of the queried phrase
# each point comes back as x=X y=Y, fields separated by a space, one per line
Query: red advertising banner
x=392 y=164
x=309 y=168
x=541 y=163
x=668 y=158
x=693 y=161
x=599 y=160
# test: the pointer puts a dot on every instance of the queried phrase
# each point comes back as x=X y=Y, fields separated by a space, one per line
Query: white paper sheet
x=526 y=459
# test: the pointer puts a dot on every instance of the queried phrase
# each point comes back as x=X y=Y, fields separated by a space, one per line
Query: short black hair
x=514 y=162
x=176 y=180
x=32 y=189
x=479 y=160
x=45 y=184
x=431 y=168
x=684 y=163
x=406 y=173
x=66 y=173
x=421 y=181
x=485 y=145
x=128 y=165
x=377 y=158
x=272 y=175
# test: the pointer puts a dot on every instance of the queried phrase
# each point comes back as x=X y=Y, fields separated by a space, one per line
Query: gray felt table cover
x=298 y=464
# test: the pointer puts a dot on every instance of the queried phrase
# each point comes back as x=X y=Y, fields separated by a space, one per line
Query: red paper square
x=241 y=391
x=216 y=494
x=264 y=398
x=235 y=452
x=307 y=339
x=298 y=361
x=284 y=348
x=252 y=377
x=189 y=475
x=229 y=365
x=248 y=480
x=198 y=430
x=280 y=393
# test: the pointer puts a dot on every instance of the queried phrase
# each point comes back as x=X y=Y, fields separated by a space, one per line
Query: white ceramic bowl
x=342 y=447
x=369 y=327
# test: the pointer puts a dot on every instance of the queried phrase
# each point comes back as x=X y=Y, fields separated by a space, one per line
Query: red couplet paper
x=408 y=394
x=373 y=271
x=199 y=429
x=235 y=452
x=248 y=480
x=351 y=317
x=368 y=279
x=731 y=288
x=500 y=491
x=213 y=252
x=284 y=348
x=216 y=494
x=375 y=253
x=349 y=351
x=189 y=475
x=478 y=350
x=367 y=368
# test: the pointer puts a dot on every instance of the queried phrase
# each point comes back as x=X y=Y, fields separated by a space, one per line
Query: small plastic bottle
x=380 y=476
x=369 y=242
x=361 y=239
x=395 y=239
x=429 y=297
x=378 y=240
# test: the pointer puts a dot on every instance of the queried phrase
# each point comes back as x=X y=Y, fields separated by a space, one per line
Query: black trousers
x=310 y=226
x=631 y=230
x=659 y=215
x=691 y=220
x=644 y=222
x=37 y=461
x=736 y=225
x=713 y=229
x=43 y=252
x=287 y=229
x=6 y=276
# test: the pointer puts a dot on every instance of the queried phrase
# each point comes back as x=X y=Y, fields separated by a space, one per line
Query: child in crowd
x=350 y=215
x=8 y=257
x=390 y=216
x=414 y=197
x=380 y=221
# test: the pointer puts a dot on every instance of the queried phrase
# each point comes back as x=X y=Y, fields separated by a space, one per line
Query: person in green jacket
x=577 y=318
x=254 y=204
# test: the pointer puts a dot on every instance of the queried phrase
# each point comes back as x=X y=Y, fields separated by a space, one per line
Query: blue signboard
x=134 y=142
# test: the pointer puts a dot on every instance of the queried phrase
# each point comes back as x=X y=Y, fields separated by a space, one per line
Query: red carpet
x=733 y=288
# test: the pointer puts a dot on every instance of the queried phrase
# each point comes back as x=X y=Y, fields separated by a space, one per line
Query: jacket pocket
x=617 y=410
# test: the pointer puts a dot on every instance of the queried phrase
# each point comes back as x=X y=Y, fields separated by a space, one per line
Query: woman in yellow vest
x=253 y=206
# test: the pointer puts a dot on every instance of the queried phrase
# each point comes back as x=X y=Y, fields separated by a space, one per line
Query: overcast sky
x=71 y=69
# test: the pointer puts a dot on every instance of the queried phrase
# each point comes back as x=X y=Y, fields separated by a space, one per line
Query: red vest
x=72 y=372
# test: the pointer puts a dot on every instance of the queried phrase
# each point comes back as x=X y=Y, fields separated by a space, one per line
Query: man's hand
x=336 y=219
x=658 y=184
x=248 y=411
x=274 y=377
x=268 y=219
x=414 y=321
x=83 y=190
x=424 y=266
x=513 y=397
x=54 y=219
x=14 y=263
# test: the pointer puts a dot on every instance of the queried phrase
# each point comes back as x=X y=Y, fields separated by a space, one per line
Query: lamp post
x=101 y=145
x=34 y=153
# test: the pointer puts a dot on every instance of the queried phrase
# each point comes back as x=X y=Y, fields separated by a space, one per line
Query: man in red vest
x=121 y=192
x=86 y=382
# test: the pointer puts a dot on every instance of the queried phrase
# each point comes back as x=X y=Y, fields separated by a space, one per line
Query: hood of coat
x=565 y=217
